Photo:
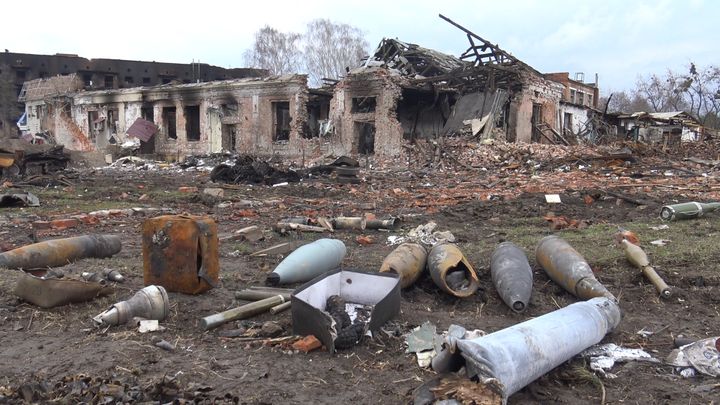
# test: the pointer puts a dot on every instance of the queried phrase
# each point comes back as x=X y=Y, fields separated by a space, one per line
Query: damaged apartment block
x=401 y=93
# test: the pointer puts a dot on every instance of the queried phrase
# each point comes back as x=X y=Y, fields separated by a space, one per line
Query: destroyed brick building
x=667 y=128
x=579 y=104
x=194 y=118
x=401 y=93
x=103 y=74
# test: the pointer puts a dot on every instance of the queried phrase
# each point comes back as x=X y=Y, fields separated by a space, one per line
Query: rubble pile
x=248 y=169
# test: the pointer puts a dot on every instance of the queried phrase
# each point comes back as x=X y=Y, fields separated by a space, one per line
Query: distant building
x=96 y=74
x=668 y=128
x=578 y=105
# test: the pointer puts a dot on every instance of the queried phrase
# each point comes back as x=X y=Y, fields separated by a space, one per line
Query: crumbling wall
x=580 y=117
x=535 y=90
x=386 y=90
x=253 y=124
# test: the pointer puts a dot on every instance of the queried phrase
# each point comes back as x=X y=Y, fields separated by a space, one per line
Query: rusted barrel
x=180 y=253
x=59 y=252
x=451 y=271
x=565 y=266
x=511 y=275
x=408 y=261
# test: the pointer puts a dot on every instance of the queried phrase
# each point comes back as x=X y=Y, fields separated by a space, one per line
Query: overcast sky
x=618 y=40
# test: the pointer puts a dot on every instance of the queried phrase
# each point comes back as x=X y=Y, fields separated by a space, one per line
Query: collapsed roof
x=413 y=60
x=483 y=66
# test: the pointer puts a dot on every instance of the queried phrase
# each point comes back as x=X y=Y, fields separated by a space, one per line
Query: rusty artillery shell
x=568 y=268
x=639 y=259
x=511 y=275
x=408 y=261
x=59 y=252
x=451 y=271
x=48 y=293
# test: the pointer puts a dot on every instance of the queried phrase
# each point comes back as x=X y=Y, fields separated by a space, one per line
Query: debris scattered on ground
x=248 y=169
x=149 y=325
x=603 y=357
x=660 y=242
x=425 y=234
x=702 y=356
x=561 y=222
x=425 y=342
x=26 y=199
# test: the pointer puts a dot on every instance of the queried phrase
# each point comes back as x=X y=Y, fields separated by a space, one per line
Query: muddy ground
x=60 y=355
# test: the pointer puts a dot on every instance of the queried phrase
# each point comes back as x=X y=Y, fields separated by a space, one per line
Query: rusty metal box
x=180 y=253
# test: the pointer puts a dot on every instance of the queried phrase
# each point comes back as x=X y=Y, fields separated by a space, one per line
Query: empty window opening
x=129 y=80
x=572 y=95
x=148 y=113
x=536 y=120
x=281 y=121
x=192 y=122
x=21 y=75
x=95 y=125
x=112 y=119
x=363 y=104
x=229 y=137
x=168 y=116
x=109 y=81
x=365 y=135
x=317 y=121
x=567 y=122
x=166 y=80
x=146 y=80
x=87 y=79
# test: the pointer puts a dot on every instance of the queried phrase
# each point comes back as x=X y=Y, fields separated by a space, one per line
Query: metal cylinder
x=517 y=355
x=408 y=261
x=308 y=261
x=349 y=223
x=390 y=223
x=512 y=275
x=150 y=303
x=565 y=266
x=296 y=220
x=59 y=252
x=687 y=210
x=245 y=311
x=451 y=271
x=256 y=295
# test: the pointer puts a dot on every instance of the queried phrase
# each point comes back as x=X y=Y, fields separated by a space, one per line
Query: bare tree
x=701 y=90
x=330 y=48
x=661 y=93
x=275 y=51
x=624 y=101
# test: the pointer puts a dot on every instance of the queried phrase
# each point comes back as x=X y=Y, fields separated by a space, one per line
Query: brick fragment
x=307 y=344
